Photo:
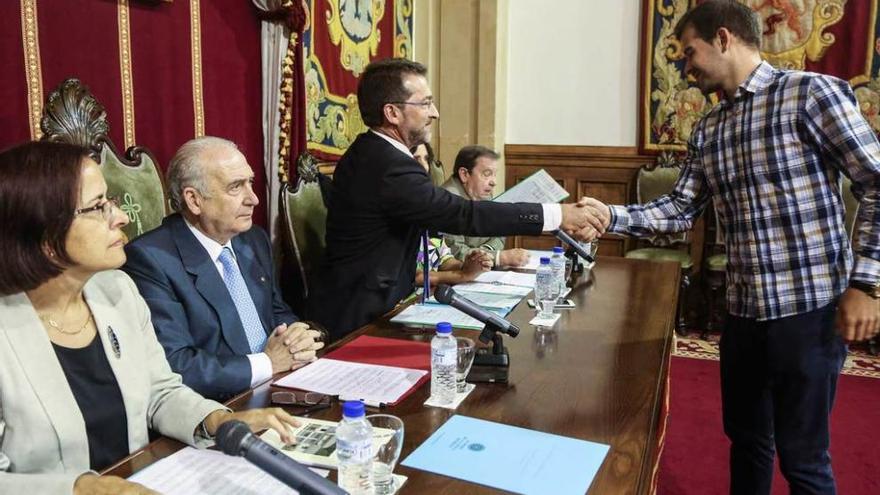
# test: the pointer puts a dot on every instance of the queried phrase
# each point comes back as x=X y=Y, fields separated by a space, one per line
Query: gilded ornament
x=353 y=25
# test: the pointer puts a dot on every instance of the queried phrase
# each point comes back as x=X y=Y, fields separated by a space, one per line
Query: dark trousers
x=778 y=380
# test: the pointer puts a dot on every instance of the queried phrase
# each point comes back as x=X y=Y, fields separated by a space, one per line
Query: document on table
x=507 y=278
x=371 y=383
x=192 y=471
x=486 y=299
x=535 y=259
x=539 y=187
x=427 y=315
x=510 y=458
x=511 y=290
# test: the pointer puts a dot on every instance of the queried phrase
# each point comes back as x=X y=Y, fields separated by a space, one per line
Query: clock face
x=357 y=18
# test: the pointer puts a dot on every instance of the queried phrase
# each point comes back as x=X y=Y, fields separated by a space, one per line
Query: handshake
x=585 y=220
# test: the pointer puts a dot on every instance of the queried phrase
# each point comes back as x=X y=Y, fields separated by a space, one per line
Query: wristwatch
x=872 y=290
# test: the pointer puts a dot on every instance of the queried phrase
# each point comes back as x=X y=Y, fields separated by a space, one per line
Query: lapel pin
x=114 y=342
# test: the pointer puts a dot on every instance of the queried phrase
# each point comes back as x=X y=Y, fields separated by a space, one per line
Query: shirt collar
x=397 y=144
x=213 y=247
x=759 y=79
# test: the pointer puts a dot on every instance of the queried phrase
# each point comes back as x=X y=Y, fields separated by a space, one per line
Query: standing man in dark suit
x=207 y=276
x=383 y=202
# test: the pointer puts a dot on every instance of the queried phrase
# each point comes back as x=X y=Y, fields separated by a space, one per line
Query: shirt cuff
x=552 y=216
x=866 y=270
x=620 y=219
x=261 y=368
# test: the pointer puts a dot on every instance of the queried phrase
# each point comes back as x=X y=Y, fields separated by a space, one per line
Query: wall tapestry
x=836 y=37
x=341 y=39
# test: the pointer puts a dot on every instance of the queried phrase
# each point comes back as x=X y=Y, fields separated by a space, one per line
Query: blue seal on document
x=476 y=447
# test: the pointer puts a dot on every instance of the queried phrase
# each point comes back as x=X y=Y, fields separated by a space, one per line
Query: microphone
x=577 y=246
x=235 y=438
x=446 y=295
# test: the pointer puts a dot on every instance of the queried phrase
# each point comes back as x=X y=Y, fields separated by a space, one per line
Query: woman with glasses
x=82 y=376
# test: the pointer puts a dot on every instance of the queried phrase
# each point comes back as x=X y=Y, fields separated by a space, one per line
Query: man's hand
x=858 y=316
x=277 y=350
x=585 y=220
x=258 y=419
x=513 y=257
x=92 y=484
x=302 y=343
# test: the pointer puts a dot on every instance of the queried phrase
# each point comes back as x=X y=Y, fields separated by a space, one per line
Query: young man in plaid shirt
x=770 y=157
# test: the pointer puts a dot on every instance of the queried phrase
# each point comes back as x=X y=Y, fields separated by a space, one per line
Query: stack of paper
x=195 y=472
x=430 y=314
x=374 y=384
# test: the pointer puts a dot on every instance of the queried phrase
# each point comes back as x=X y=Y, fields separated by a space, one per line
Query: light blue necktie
x=247 y=311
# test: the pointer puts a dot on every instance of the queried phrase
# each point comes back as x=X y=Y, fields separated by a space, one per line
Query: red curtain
x=83 y=39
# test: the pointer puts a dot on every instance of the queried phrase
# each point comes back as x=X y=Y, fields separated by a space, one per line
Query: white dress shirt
x=261 y=365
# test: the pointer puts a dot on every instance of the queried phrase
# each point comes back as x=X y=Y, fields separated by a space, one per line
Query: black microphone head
x=231 y=436
x=444 y=293
x=513 y=330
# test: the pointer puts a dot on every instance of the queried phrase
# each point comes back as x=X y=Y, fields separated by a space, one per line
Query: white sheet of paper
x=432 y=314
x=192 y=471
x=508 y=278
x=536 y=188
x=372 y=383
x=513 y=290
x=535 y=259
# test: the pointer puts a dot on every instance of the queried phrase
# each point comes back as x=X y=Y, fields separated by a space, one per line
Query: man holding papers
x=383 y=202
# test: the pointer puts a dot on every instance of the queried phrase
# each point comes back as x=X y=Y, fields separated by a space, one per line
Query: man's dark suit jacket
x=192 y=311
x=381 y=200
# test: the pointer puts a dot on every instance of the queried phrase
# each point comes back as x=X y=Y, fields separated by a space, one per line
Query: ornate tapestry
x=836 y=37
x=342 y=37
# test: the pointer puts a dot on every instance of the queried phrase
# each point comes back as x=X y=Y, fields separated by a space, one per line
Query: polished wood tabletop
x=600 y=375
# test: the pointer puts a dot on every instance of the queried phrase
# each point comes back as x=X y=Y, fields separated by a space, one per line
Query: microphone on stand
x=577 y=246
x=447 y=295
x=235 y=438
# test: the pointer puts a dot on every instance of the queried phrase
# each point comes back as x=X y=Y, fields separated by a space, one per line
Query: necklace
x=58 y=328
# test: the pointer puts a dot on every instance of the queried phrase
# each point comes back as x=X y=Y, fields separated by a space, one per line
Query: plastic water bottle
x=557 y=262
x=354 y=449
x=546 y=289
x=444 y=354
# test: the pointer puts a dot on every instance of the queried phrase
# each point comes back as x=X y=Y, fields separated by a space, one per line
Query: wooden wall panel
x=607 y=173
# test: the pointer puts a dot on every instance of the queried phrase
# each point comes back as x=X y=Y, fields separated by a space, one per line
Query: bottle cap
x=545 y=260
x=353 y=409
x=558 y=250
x=444 y=327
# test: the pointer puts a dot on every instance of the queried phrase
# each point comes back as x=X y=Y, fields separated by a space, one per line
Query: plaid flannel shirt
x=771 y=162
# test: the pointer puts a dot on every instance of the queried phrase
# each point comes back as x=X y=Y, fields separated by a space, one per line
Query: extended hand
x=585 y=220
x=258 y=420
x=858 y=316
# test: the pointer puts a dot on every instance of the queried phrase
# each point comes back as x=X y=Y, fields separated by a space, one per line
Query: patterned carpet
x=858 y=362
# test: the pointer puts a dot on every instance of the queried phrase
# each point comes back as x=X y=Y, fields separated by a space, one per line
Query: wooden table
x=600 y=375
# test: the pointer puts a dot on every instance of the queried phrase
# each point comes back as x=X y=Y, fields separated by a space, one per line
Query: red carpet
x=694 y=459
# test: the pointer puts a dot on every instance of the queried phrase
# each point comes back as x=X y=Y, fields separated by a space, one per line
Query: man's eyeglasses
x=424 y=104
x=106 y=208
x=301 y=399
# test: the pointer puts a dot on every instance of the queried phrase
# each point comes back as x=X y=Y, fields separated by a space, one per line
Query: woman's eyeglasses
x=106 y=208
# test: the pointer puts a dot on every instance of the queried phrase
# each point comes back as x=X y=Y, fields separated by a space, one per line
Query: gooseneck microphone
x=446 y=295
x=235 y=438
x=577 y=246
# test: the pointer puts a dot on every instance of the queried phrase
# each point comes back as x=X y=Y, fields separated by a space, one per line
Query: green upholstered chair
x=304 y=216
x=716 y=261
x=654 y=181
x=73 y=115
